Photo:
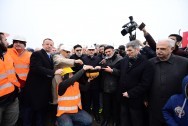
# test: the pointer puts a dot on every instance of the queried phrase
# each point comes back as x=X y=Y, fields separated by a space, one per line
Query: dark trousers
x=44 y=117
x=111 y=107
x=131 y=116
x=154 y=121
x=90 y=99
x=32 y=117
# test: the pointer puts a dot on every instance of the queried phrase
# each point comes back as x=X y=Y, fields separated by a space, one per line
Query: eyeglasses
x=78 y=50
x=66 y=51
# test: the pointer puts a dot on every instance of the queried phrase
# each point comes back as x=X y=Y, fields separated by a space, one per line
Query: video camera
x=130 y=27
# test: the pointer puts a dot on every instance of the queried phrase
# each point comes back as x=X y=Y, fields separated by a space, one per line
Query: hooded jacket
x=175 y=111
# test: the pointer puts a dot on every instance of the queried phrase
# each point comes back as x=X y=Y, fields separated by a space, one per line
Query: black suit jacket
x=135 y=80
x=37 y=92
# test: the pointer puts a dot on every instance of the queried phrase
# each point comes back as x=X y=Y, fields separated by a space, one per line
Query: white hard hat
x=91 y=47
x=19 y=38
x=66 y=48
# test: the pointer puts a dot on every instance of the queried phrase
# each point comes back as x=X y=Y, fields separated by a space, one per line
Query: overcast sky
x=90 y=21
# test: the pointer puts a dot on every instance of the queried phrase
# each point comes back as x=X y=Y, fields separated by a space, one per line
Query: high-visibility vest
x=21 y=62
x=70 y=101
x=7 y=76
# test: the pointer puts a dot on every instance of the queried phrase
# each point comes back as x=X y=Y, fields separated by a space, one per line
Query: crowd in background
x=138 y=84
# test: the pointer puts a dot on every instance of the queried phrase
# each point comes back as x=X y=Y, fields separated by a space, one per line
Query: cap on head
x=91 y=47
x=66 y=48
x=178 y=37
x=108 y=47
x=76 y=46
x=66 y=70
x=19 y=38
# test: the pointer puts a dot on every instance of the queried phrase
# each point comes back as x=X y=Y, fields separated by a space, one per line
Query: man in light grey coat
x=62 y=60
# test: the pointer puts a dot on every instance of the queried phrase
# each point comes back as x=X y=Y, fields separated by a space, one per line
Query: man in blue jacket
x=175 y=111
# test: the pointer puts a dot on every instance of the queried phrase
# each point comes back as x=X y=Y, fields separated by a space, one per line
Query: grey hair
x=171 y=43
x=1 y=34
x=134 y=44
x=59 y=47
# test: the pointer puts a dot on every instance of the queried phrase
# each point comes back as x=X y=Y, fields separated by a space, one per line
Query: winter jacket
x=109 y=80
x=175 y=110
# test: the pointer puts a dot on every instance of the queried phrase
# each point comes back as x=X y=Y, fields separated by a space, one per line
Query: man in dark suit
x=136 y=74
x=37 y=91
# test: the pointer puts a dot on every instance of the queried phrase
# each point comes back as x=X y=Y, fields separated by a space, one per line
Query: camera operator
x=177 y=38
x=146 y=50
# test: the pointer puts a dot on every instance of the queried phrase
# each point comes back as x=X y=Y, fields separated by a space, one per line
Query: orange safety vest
x=70 y=101
x=7 y=76
x=21 y=62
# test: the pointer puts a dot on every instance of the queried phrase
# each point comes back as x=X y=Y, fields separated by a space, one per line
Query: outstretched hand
x=78 y=61
x=59 y=71
x=88 y=67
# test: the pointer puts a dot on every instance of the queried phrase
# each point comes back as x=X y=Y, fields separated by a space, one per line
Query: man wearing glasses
x=77 y=55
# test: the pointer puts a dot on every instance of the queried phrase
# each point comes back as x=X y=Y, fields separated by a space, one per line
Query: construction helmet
x=66 y=70
x=19 y=38
x=92 y=73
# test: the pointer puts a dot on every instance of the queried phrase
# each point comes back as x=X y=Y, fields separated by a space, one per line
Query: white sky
x=90 y=21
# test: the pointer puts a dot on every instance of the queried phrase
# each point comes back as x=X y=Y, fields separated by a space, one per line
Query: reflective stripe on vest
x=69 y=108
x=6 y=89
x=69 y=98
x=70 y=101
x=5 y=86
x=7 y=76
x=2 y=76
x=21 y=66
x=22 y=75
x=21 y=62
x=10 y=71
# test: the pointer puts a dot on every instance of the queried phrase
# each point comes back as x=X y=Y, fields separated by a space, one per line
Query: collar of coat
x=170 y=60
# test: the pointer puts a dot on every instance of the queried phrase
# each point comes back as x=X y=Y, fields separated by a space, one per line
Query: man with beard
x=77 y=55
x=177 y=50
x=101 y=53
x=9 y=105
x=110 y=86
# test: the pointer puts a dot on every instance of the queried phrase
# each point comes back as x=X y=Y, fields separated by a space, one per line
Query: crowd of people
x=138 y=84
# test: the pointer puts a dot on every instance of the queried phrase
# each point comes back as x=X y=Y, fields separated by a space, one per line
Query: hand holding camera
x=130 y=27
